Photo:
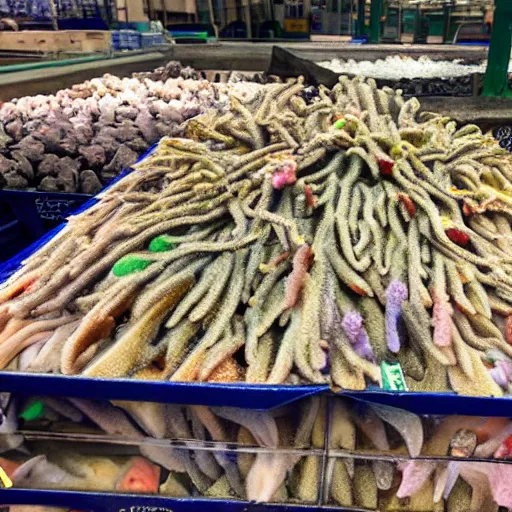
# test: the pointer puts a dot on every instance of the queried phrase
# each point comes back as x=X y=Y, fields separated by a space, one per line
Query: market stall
x=292 y=291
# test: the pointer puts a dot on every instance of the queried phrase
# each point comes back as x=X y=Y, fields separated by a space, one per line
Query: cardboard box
x=87 y=41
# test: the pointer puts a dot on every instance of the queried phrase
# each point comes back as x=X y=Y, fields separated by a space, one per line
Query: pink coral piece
x=301 y=263
x=508 y=329
x=500 y=478
x=502 y=373
x=442 y=320
x=414 y=474
x=285 y=175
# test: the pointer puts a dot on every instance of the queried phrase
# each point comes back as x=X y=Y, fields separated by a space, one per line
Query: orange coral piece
x=228 y=371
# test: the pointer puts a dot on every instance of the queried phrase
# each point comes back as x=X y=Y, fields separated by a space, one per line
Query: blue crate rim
x=247 y=396
x=105 y=502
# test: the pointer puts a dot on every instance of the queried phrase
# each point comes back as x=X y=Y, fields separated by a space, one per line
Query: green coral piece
x=162 y=243
x=129 y=264
x=33 y=411
x=340 y=123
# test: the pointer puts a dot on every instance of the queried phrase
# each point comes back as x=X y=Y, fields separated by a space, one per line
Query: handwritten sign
x=53 y=209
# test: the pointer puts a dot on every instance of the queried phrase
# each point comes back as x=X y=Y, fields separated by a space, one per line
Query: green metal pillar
x=446 y=23
x=496 y=76
x=375 y=16
x=361 y=14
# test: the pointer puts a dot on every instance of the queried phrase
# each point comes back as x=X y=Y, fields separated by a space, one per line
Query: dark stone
x=67 y=180
x=15 y=129
x=69 y=145
x=109 y=145
x=5 y=140
x=138 y=145
x=126 y=131
x=49 y=184
x=83 y=133
x=24 y=166
x=48 y=167
x=163 y=129
x=145 y=123
x=126 y=112
x=15 y=180
x=106 y=131
x=123 y=159
x=68 y=163
x=31 y=149
x=6 y=165
x=33 y=125
x=94 y=155
x=89 y=182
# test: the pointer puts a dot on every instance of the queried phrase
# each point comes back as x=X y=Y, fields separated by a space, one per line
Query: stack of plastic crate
x=152 y=39
x=126 y=40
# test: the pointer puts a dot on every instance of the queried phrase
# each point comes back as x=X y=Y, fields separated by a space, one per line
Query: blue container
x=126 y=40
x=26 y=216
x=235 y=395
x=103 y=502
x=82 y=24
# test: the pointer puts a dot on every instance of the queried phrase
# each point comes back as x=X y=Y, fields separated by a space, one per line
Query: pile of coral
x=291 y=238
x=80 y=138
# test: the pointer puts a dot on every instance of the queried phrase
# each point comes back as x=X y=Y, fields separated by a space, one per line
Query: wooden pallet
x=86 y=41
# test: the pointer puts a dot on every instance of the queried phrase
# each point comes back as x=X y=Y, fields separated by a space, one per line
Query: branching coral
x=317 y=237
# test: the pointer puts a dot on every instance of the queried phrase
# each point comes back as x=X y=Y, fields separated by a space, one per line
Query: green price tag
x=392 y=377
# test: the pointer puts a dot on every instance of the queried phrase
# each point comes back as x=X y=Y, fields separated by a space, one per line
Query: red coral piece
x=408 y=203
x=457 y=236
x=467 y=210
x=357 y=290
x=302 y=261
x=386 y=166
x=505 y=450
x=310 y=198
x=278 y=259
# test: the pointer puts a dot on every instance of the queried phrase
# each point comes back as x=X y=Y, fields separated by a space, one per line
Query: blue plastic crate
x=103 y=502
x=258 y=397
x=126 y=40
x=147 y=40
x=151 y=39
x=26 y=216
